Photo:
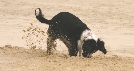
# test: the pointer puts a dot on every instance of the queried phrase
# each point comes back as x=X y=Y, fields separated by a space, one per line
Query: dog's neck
x=88 y=34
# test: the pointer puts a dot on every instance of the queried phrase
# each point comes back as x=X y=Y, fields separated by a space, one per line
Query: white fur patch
x=87 y=34
x=79 y=47
x=37 y=11
x=92 y=36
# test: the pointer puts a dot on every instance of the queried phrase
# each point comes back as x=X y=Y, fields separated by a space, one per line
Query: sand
x=23 y=38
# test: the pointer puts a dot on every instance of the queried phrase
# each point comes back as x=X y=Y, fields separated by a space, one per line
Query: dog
x=72 y=32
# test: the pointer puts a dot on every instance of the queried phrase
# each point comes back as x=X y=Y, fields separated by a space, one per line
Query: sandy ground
x=112 y=21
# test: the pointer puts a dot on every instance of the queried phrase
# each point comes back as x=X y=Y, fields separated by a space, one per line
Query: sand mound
x=20 y=59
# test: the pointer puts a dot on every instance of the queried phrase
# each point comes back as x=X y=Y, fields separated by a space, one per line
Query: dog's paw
x=38 y=12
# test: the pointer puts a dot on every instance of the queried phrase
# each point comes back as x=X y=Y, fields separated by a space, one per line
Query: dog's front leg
x=79 y=47
x=73 y=50
x=80 y=50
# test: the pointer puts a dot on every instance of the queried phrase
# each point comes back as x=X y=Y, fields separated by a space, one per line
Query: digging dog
x=72 y=32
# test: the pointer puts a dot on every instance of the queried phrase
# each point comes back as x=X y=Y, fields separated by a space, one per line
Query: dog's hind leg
x=73 y=50
x=72 y=46
x=50 y=44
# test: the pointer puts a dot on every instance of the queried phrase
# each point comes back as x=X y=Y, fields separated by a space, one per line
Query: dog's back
x=69 y=25
x=64 y=23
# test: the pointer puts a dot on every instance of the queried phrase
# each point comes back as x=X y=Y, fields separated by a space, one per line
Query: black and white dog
x=72 y=32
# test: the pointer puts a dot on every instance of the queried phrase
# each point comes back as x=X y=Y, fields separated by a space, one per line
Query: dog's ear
x=100 y=42
x=101 y=46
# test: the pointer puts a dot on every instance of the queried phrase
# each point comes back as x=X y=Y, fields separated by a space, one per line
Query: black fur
x=101 y=47
x=91 y=46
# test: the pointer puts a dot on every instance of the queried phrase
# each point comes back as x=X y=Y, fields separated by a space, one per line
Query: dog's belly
x=65 y=41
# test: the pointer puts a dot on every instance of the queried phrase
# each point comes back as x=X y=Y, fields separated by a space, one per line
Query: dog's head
x=91 y=46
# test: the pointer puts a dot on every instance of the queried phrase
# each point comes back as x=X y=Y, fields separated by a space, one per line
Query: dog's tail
x=40 y=17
